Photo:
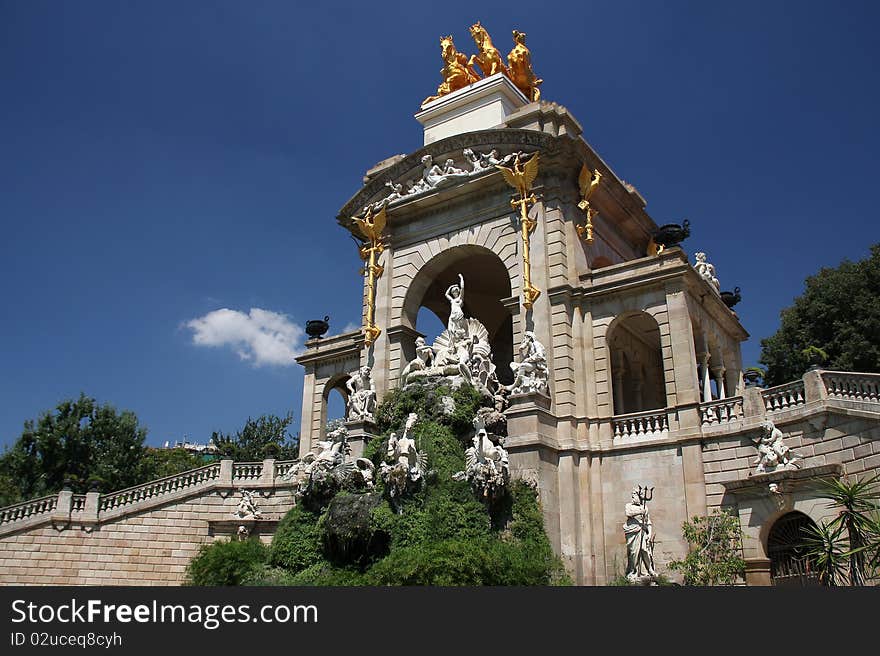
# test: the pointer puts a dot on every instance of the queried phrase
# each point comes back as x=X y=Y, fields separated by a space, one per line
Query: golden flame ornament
x=371 y=227
x=521 y=177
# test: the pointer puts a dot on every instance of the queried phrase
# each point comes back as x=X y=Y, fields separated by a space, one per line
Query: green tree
x=160 y=463
x=265 y=436
x=80 y=441
x=838 y=313
x=715 y=557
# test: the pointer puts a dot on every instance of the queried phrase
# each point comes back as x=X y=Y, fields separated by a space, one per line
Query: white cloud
x=350 y=327
x=262 y=336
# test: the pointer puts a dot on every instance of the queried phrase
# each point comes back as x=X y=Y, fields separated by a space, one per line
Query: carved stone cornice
x=332 y=349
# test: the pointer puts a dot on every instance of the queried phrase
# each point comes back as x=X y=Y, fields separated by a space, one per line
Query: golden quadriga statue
x=460 y=71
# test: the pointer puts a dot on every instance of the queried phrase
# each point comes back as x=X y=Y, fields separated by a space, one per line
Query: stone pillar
x=308 y=409
x=718 y=374
x=90 y=512
x=267 y=476
x=225 y=479
x=814 y=386
x=707 y=380
x=359 y=433
x=758 y=571
x=63 y=507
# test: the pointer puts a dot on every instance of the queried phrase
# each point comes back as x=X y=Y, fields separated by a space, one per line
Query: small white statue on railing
x=530 y=373
x=773 y=453
x=707 y=271
x=247 y=507
x=361 y=395
x=639 y=532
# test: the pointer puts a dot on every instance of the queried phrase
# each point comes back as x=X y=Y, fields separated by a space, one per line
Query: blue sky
x=161 y=161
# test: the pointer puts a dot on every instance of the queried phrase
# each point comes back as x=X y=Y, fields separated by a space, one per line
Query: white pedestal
x=480 y=106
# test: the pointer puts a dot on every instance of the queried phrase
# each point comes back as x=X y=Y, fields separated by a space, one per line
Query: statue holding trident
x=639 y=532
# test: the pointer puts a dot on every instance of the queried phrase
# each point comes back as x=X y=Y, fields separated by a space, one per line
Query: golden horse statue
x=455 y=71
x=488 y=59
x=519 y=68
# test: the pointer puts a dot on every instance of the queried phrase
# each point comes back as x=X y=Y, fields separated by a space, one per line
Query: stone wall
x=141 y=536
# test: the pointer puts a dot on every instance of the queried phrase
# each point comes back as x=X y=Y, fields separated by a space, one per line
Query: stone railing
x=641 y=425
x=27 y=509
x=282 y=467
x=722 y=411
x=243 y=472
x=160 y=487
x=852 y=386
x=77 y=503
x=783 y=397
x=66 y=508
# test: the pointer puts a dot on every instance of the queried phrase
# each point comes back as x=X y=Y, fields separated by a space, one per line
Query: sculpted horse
x=455 y=71
x=488 y=59
x=519 y=68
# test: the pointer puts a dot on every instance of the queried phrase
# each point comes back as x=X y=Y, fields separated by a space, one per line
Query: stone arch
x=789 y=563
x=636 y=361
x=487 y=285
x=600 y=262
x=337 y=383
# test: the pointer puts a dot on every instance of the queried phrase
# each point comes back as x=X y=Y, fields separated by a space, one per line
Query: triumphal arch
x=644 y=377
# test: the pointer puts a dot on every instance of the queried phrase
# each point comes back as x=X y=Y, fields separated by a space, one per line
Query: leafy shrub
x=226 y=563
x=297 y=541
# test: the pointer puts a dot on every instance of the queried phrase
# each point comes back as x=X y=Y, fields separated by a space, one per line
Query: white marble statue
x=247 y=507
x=639 y=532
x=330 y=460
x=423 y=360
x=456 y=326
x=773 y=454
x=434 y=175
x=361 y=395
x=405 y=466
x=530 y=373
x=707 y=271
x=487 y=464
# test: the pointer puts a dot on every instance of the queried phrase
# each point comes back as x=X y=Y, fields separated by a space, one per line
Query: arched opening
x=789 y=563
x=487 y=284
x=334 y=402
x=637 y=379
x=600 y=262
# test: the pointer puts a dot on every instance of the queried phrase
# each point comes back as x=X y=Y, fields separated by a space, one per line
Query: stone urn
x=672 y=234
x=317 y=327
x=752 y=376
x=731 y=298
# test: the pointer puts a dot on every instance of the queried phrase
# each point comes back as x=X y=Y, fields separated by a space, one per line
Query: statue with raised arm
x=361 y=395
x=457 y=325
x=404 y=466
x=639 y=532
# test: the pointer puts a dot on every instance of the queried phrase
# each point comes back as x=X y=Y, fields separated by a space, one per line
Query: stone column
x=707 y=380
x=359 y=433
x=718 y=374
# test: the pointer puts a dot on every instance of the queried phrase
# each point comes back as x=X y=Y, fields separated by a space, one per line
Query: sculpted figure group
x=459 y=71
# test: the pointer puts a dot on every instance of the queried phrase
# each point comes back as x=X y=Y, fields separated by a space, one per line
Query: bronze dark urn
x=315 y=328
x=672 y=234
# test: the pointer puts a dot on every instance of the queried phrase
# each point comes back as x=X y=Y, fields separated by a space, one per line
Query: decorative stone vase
x=315 y=328
x=731 y=298
x=752 y=377
x=672 y=234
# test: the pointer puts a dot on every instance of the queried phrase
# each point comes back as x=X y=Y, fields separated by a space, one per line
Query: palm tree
x=857 y=507
x=826 y=552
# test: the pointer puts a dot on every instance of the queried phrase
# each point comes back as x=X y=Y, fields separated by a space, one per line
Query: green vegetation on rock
x=439 y=535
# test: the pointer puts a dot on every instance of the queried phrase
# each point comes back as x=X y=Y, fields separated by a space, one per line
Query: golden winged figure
x=587 y=182
x=521 y=176
x=372 y=225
